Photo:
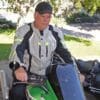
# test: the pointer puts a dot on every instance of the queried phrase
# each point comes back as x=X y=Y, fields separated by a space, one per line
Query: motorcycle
x=61 y=82
x=91 y=71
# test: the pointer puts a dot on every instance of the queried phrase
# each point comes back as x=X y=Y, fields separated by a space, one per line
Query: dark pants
x=17 y=92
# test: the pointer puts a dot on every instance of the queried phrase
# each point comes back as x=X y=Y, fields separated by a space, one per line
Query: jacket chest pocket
x=42 y=48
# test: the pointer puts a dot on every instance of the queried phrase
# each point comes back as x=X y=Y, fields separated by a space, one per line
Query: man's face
x=42 y=20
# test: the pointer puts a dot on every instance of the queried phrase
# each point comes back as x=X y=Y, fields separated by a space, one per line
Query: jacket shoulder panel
x=58 y=31
x=21 y=31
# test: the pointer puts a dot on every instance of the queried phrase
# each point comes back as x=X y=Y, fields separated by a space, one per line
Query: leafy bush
x=7 y=24
x=81 y=18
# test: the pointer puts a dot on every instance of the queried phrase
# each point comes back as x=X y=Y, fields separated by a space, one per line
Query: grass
x=6 y=39
x=79 y=40
x=4 y=51
x=82 y=48
x=78 y=47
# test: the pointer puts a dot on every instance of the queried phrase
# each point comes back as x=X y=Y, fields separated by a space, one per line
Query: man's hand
x=82 y=78
x=21 y=74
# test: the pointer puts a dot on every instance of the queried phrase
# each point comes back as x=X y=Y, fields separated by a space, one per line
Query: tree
x=60 y=7
x=91 y=6
x=55 y=4
x=22 y=7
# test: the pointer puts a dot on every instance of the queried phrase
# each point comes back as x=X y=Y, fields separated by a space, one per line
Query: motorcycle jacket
x=34 y=49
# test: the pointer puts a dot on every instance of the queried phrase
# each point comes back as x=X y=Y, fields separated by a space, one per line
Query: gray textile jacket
x=37 y=50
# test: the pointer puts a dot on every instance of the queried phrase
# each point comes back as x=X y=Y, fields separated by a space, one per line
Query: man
x=33 y=49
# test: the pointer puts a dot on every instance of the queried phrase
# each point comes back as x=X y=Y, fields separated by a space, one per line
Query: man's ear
x=36 y=13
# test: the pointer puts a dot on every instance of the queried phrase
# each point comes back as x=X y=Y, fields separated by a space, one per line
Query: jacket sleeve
x=61 y=48
x=18 y=49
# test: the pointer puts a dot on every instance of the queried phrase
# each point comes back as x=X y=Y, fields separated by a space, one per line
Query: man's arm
x=18 y=49
x=16 y=61
x=62 y=49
